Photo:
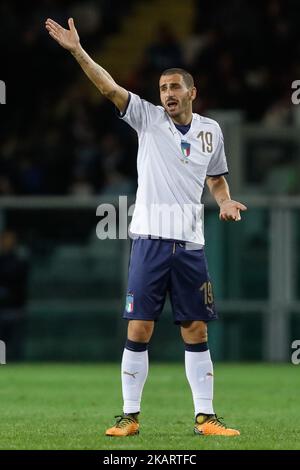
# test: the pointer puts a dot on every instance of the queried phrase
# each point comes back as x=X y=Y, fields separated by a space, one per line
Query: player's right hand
x=67 y=38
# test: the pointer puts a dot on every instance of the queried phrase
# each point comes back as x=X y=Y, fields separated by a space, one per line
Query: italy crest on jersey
x=185 y=148
x=129 y=303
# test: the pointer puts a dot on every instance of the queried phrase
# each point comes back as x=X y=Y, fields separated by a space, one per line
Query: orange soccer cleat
x=126 y=425
x=210 y=425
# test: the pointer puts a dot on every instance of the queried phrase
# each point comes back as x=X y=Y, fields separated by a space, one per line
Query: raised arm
x=229 y=209
x=69 y=39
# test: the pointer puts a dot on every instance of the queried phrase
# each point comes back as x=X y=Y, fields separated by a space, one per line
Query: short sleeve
x=139 y=113
x=218 y=163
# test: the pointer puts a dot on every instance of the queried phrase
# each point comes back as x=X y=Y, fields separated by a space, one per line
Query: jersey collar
x=175 y=131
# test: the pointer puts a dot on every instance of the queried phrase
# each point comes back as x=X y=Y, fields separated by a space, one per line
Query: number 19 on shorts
x=206 y=288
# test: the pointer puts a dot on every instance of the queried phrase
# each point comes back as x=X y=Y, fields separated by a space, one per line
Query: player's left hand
x=230 y=210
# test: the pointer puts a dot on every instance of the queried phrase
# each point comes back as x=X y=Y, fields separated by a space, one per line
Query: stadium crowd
x=54 y=139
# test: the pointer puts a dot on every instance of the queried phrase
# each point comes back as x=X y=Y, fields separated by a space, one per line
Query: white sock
x=199 y=372
x=134 y=372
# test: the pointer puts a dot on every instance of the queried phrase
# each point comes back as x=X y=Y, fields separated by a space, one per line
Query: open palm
x=67 y=38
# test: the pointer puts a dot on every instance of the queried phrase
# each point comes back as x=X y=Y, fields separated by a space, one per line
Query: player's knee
x=203 y=332
x=203 y=337
x=194 y=332
x=140 y=331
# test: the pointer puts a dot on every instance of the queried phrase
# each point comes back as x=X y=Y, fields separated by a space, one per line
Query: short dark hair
x=187 y=77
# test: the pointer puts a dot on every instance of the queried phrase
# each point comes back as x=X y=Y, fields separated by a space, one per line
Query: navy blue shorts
x=160 y=266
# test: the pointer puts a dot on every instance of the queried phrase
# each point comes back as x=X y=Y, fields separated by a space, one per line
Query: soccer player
x=178 y=152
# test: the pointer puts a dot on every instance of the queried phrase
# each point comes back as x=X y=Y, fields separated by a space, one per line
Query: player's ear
x=193 y=93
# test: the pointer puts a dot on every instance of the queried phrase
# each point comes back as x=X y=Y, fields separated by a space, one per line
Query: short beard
x=173 y=115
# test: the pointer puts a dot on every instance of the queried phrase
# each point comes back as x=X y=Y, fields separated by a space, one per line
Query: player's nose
x=170 y=95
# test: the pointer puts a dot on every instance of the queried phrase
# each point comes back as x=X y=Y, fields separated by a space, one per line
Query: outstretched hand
x=67 y=38
x=230 y=210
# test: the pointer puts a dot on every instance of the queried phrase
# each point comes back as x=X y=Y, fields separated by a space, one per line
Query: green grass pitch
x=68 y=406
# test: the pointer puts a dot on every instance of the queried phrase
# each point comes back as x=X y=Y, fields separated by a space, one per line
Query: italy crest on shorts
x=129 y=303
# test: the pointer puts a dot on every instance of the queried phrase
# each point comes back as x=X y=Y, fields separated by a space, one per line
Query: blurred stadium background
x=63 y=152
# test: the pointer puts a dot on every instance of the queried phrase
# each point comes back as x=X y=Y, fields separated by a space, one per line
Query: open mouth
x=171 y=105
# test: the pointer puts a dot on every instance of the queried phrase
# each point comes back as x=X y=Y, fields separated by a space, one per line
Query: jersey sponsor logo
x=129 y=303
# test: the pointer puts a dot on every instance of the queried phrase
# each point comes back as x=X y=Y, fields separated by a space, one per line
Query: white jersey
x=172 y=168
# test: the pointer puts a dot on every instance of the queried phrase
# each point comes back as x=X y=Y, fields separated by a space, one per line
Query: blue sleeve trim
x=216 y=176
